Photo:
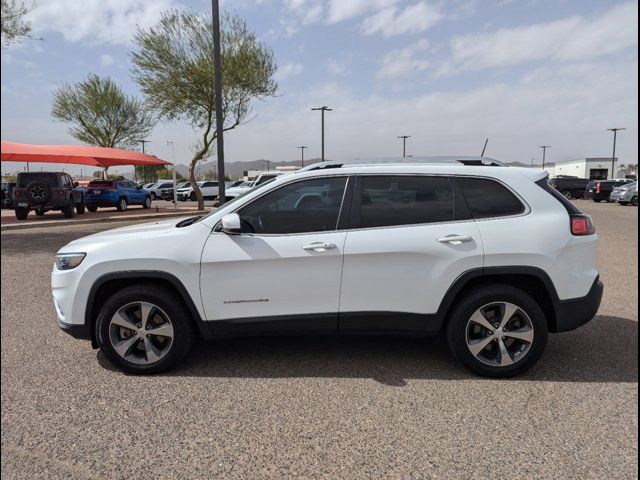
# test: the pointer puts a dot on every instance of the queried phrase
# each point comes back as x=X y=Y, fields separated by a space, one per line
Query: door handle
x=319 y=246
x=456 y=239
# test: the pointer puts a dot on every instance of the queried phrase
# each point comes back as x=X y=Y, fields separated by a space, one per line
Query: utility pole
x=613 y=156
x=404 y=144
x=217 y=67
x=322 y=110
x=544 y=153
x=143 y=142
x=143 y=168
x=302 y=155
x=268 y=162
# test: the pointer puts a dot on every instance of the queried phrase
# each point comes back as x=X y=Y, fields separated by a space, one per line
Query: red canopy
x=78 y=154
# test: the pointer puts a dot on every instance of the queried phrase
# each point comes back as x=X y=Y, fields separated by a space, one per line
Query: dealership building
x=593 y=168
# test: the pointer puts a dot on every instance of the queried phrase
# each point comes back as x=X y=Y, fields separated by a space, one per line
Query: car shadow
x=605 y=350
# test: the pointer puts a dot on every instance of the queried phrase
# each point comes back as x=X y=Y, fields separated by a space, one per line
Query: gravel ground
x=318 y=407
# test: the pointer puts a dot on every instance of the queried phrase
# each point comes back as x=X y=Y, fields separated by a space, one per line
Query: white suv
x=208 y=188
x=489 y=255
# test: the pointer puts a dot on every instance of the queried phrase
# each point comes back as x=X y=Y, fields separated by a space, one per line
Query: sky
x=449 y=73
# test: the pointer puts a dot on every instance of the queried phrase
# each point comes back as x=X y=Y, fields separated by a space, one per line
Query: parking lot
x=327 y=407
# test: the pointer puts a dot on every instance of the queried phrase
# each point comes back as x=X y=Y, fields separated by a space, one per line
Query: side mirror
x=231 y=224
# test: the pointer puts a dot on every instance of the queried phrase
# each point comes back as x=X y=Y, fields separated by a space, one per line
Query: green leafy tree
x=174 y=67
x=14 y=25
x=101 y=114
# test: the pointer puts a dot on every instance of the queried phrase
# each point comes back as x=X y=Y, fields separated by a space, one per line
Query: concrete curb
x=125 y=218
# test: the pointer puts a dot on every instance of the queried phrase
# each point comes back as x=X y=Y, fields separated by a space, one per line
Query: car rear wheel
x=193 y=197
x=144 y=329
x=147 y=202
x=22 y=213
x=497 y=331
x=80 y=208
x=597 y=201
x=122 y=205
x=568 y=195
x=92 y=208
x=40 y=213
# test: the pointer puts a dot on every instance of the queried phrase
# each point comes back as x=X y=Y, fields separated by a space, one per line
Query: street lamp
x=302 y=155
x=544 y=153
x=268 y=162
x=613 y=156
x=404 y=144
x=322 y=110
x=217 y=69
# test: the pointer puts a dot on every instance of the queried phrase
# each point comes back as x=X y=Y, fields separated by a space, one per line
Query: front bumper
x=571 y=314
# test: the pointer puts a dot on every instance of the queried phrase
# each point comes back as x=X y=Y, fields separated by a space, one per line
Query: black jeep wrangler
x=44 y=191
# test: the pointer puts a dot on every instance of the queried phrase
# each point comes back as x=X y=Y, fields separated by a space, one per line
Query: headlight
x=68 y=261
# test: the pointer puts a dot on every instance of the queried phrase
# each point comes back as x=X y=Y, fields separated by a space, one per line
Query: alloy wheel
x=499 y=334
x=141 y=333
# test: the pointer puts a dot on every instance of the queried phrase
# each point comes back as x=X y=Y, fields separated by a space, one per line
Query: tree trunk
x=194 y=184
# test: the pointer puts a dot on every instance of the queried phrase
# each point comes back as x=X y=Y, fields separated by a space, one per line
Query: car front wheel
x=497 y=331
x=145 y=329
x=147 y=202
x=22 y=213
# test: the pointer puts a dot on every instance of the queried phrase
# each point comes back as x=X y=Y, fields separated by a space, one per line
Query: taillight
x=582 y=225
x=598 y=187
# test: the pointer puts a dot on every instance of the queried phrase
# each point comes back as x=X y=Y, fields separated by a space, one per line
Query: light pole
x=302 y=155
x=404 y=144
x=544 y=153
x=215 y=19
x=613 y=156
x=268 y=162
x=322 y=110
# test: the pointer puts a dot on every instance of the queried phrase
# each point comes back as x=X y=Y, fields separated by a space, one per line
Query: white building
x=592 y=168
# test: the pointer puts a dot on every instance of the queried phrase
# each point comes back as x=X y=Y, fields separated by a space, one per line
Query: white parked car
x=489 y=255
x=235 y=192
x=208 y=188
x=159 y=187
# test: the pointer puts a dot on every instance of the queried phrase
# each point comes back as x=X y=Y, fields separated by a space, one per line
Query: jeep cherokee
x=490 y=256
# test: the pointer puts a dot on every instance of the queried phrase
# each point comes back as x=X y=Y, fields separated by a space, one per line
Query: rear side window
x=569 y=207
x=101 y=184
x=488 y=199
x=401 y=200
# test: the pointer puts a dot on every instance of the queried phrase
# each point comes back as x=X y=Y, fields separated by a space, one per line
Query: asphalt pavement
x=325 y=407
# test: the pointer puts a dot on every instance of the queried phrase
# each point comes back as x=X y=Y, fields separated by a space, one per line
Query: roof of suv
x=442 y=160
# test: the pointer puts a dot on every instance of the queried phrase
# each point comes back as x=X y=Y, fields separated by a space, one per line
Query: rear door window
x=488 y=198
x=395 y=200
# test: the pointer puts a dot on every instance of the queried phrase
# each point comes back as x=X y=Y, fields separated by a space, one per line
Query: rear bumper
x=571 y=314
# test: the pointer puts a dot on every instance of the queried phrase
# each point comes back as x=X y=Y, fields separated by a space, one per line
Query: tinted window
x=307 y=206
x=488 y=198
x=101 y=183
x=210 y=184
x=399 y=200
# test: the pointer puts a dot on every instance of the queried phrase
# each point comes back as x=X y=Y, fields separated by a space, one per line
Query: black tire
x=92 y=208
x=21 y=213
x=68 y=210
x=80 y=208
x=153 y=196
x=40 y=213
x=456 y=329
x=634 y=201
x=38 y=192
x=193 y=197
x=147 y=202
x=597 y=201
x=169 y=302
x=568 y=195
x=122 y=205
x=624 y=204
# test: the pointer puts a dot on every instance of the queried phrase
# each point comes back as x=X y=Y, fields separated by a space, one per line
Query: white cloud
x=573 y=38
x=397 y=21
x=106 y=60
x=287 y=70
x=403 y=62
x=96 y=21
x=340 y=10
x=309 y=11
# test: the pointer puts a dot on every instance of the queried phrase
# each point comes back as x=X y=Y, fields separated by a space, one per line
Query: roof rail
x=450 y=160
